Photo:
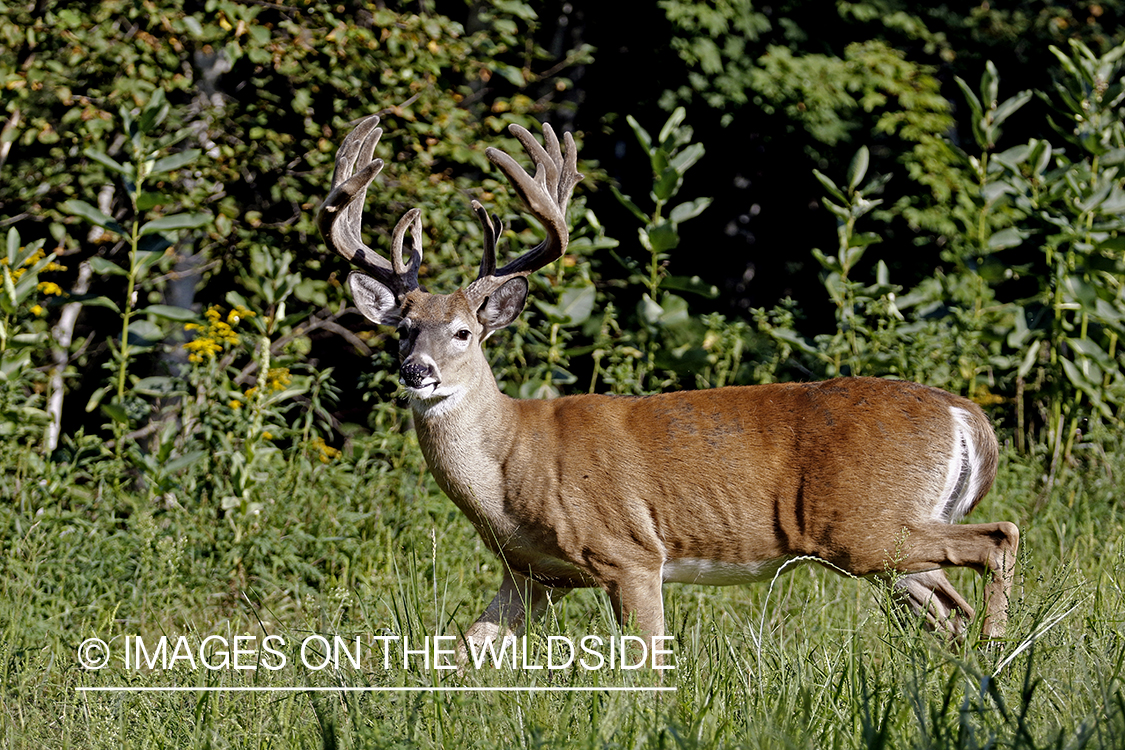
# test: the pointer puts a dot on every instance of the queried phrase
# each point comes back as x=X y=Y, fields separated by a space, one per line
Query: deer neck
x=465 y=438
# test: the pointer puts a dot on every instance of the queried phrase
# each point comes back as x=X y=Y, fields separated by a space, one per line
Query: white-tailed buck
x=719 y=486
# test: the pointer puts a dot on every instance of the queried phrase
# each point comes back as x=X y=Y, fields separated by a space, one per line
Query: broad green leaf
x=853 y=255
x=863 y=239
x=628 y=203
x=176 y=221
x=687 y=158
x=1077 y=289
x=104 y=267
x=1030 y=357
x=156 y=385
x=116 y=412
x=642 y=135
x=10 y=300
x=175 y=161
x=675 y=310
x=145 y=261
x=989 y=85
x=828 y=262
x=97 y=301
x=147 y=201
x=184 y=461
x=649 y=310
x=662 y=237
x=674 y=121
x=1041 y=155
x=667 y=185
x=511 y=74
x=562 y=377
x=170 y=312
x=857 y=170
x=830 y=186
x=1082 y=382
x=154 y=112
x=96 y=397
x=109 y=162
x=842 y=212
x=1113 y=157
x=689 y=210
x=970 y=98
x=84 y=210
x=692 y=284
x=1096 y=198
x=1005 y=238
x=577 y=303
x=1089 y=348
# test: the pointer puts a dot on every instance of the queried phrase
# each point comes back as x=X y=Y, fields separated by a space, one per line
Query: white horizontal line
x=288 y=689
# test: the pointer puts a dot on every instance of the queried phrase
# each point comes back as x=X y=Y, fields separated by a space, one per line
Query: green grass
x=366 y=545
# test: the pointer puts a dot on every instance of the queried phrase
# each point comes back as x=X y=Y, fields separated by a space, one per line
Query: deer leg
x=637 y=597
x=989 y=548
x=517 y=604
x=933 y=597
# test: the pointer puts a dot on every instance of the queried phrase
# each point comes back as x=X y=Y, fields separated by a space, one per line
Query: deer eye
x=463 y=335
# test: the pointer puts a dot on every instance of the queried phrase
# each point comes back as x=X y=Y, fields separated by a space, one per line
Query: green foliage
x=22 y=332
x=669 y=337
x=147 y=243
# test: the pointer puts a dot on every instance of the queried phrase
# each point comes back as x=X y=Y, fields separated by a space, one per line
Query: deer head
x=440 y=335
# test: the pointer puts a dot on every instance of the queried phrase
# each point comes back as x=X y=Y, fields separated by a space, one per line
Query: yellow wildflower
x=49 y=288
x=202 y=348
x=327 y=452
x=278 y=378
x=38 y=311
x=235 y=404
x=237 y=314
x=216 y=334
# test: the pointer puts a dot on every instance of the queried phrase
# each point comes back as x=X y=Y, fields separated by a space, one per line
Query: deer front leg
x=637 y=597
x=517 y=604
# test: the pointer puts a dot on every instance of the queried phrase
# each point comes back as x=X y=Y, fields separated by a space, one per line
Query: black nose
x=413 y=374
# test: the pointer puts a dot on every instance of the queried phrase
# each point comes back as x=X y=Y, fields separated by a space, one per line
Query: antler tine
x=545 y=195
x=408 y=272
x=491 y=227
x=340 y=217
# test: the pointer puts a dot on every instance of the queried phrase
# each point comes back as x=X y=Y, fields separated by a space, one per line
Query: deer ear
x=502 y=306
x=374 y=300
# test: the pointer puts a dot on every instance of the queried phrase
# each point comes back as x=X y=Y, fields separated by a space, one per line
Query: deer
x=868 y=476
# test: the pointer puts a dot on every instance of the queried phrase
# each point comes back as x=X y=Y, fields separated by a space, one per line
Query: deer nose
x=413 y=374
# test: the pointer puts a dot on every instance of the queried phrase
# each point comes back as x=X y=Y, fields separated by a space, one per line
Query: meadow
x=365 y=545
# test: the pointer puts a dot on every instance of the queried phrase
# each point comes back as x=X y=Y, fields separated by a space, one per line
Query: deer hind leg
x=930 y=595
x=518 y=603
x=989 y=548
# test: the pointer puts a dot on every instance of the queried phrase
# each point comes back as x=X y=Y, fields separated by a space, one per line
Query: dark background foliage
x=257 y=96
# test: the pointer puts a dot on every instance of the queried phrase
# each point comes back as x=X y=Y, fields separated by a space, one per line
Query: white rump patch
x=962 y=477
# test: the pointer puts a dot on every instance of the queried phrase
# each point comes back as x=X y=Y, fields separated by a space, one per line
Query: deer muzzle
x=415 y=374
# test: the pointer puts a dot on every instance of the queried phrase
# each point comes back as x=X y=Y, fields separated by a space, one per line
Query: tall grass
x=365 y=545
